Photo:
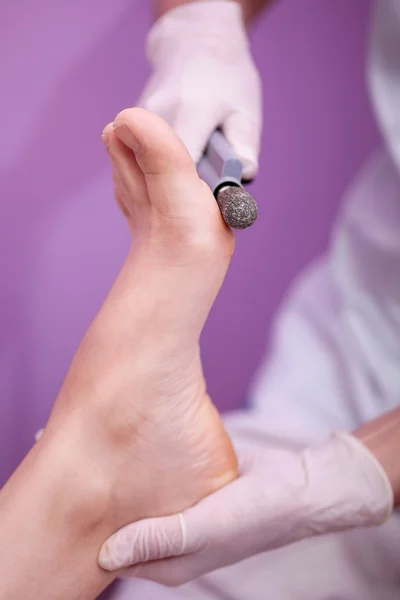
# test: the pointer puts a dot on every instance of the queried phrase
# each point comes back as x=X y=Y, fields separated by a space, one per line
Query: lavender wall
x=66 y=70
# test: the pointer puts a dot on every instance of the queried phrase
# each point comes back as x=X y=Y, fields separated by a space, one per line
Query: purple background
x=66 y=70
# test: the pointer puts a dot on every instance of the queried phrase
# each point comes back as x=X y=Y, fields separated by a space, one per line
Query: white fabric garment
x=335 y=365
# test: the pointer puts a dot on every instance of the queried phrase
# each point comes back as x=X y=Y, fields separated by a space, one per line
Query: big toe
x=173 y=186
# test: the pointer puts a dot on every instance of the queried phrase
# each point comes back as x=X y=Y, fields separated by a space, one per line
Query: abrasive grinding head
x=238 y=208
x=222 y=170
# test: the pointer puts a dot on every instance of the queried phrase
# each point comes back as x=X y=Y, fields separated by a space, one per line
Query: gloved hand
x=204 y=77
x=281 y=497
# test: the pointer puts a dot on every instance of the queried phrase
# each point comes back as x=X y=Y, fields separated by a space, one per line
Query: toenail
x=125 y=135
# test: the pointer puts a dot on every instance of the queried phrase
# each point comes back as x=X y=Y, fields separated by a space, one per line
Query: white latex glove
x=204 y=77
x=281 y=497
x=39 y=434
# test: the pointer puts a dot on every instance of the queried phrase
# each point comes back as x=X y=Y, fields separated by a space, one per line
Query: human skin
x=133 y=432
x=250 y=8
x=382 y=438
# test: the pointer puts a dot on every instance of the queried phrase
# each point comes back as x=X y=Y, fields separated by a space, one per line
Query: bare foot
x=139 y=364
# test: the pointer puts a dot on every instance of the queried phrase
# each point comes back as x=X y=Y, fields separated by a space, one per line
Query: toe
x=157 y=147
x=130 y=185
x=174 y=187
x=121 y=194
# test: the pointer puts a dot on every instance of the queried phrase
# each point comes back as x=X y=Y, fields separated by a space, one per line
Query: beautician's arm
x=382 y=438
x=250 y=7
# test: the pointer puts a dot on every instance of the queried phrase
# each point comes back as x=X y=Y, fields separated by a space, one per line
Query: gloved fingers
x=146 y=540
x=170 y=572
x=157 y=102
x=243 y=133
x=161 y=538
x=217 y=531
x=214 y=521
x=155 y=548
x=194 y=122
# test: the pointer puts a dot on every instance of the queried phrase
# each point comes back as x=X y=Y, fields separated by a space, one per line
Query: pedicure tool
x=222 y=171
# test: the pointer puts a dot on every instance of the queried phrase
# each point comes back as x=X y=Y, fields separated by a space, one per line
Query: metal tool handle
x=222 y=171
x=219 y=166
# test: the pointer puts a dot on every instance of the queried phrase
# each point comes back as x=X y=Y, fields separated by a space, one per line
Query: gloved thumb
x=244 y=135
x=143 y=541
